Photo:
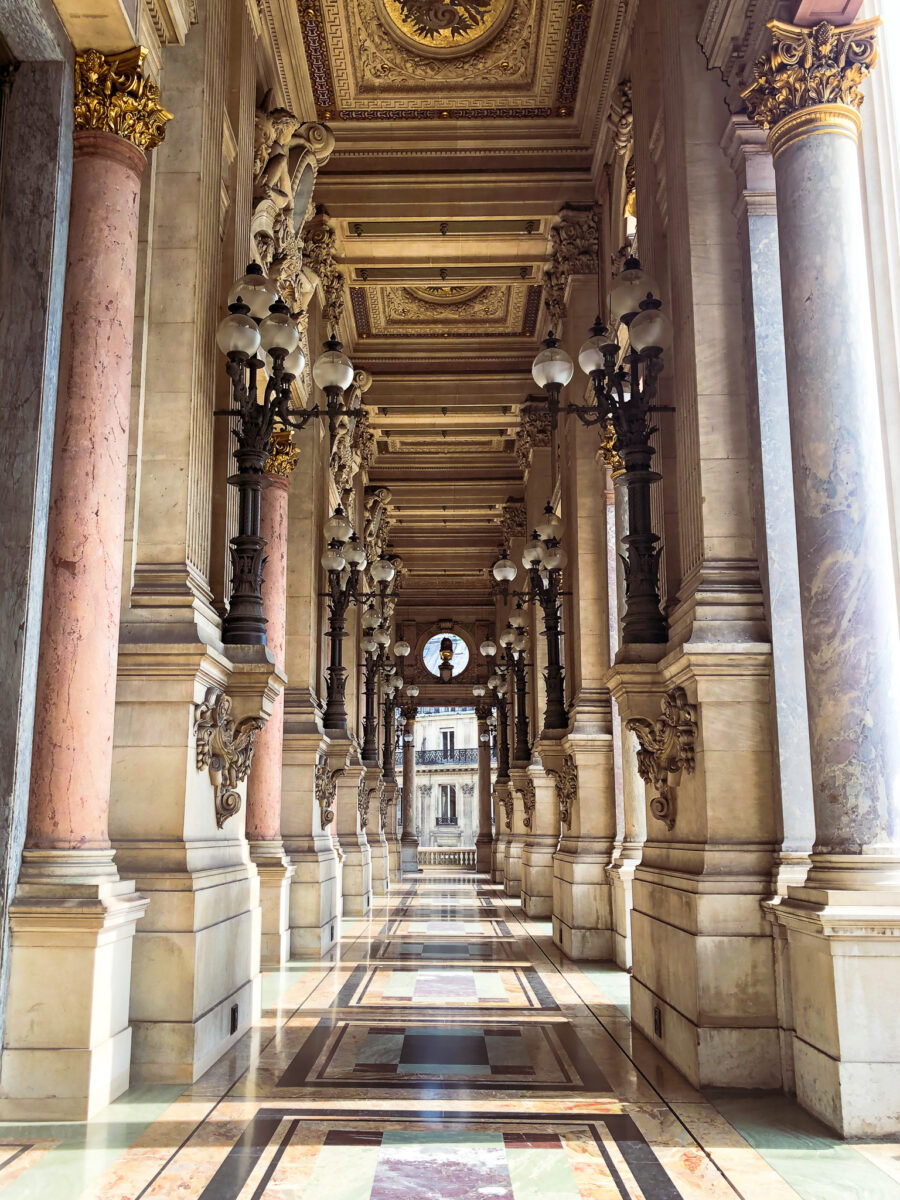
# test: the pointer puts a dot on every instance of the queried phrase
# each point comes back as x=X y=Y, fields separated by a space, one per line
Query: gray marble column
x=847 y=597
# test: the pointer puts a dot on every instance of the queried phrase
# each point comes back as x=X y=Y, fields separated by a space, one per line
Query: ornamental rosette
x=808 y=67
x=112 y=95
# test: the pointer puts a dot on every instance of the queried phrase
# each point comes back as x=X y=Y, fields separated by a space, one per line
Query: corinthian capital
x=112 y=95
x=808 y=67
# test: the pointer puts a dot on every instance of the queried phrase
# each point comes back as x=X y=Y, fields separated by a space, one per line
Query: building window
x=447 y=813
x=448 y=739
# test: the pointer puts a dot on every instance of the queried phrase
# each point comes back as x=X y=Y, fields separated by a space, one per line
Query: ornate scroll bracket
x=113 y=96
x=667 y=749
x=808 y=67
x=529 y=802
x=363 y=799
x=566 y=781
x=384 y=805
x=225 y=749
x=326 y=790
x=504 y=796
x=573 y=251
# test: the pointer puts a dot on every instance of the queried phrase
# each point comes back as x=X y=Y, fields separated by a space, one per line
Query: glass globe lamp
x=369 y=645
x=279 y=332
x=294 y=363
x=504 y=570
x=382 y=637
x=631 y=287
x=556 y=558
x=256 y=291
x=479 y=690
x=370 y=620
x=549 y=526
x=354 y=553
x=484 y=738
x=651 y=329
x=412 y=691
x=494 y=681
x=533 y=554
x=382 y=570
x=337 y=528
x=402 y=649
x=517 y=619
x=333 y=369
x=237 y=334
x=507 y=637
x=333 y=560
x=488 y=648
x=552 y=367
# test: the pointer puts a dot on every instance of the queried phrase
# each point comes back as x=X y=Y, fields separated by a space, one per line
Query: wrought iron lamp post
x=515 y=642
x=499 y=688
x=551 y=371
x=375 y=641
x=343 y=559
x=625 y=396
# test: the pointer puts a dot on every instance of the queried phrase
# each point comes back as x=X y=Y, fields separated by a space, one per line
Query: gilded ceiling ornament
x=112 y=95
x=447 y=293
x=283 y=454
x=225 y=749
x=326 y=790
x=573 y=251
x=480 y=303
x=443 y=27
x=666 y=749
x=807 y=67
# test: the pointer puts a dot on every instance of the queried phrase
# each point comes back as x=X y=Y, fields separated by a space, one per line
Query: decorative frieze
x=809 y=67
x=666 y=749
x=113 y=95
x=225 y=749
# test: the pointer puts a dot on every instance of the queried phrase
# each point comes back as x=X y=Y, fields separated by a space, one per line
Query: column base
x=582 y=908
x=498 y=858
x=409 y=855
x=356 y=878
x=195 y=985
x=844 y=950
x=537 y=876
x=703 y=982
x=484 y=853
x=315 y=900
x=393 y=851
x=621 y=883
x=512 y=867
x=67 y=1049
x=381 y=867
x=275 y=873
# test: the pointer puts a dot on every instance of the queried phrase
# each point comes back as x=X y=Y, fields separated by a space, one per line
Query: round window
x=445 y=648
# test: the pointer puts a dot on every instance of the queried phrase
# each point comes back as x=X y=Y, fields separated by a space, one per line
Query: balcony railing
x=446 y=821
x=465 y=756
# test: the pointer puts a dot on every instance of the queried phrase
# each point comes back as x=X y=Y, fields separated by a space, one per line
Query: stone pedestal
x=484 y=841
x=275 y=872
x=583 y=925
x=703 y=984
x=307 y=822
x=621 y=871
x=356 y=885
x=409 y=842
x=378 y=814
x=195 y=981
x=391 y=795
x=540 y=820
x=503 y=829
x=67 y=1042
x=511 y=798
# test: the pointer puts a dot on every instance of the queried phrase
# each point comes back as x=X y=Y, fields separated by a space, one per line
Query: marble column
x=409 y=842
x=68 y=1042
x=540 y=822
x=264 y=784
x=502 y=829
x=843 y=924
x=484 y=842
x=353 y=787
x=379 y=815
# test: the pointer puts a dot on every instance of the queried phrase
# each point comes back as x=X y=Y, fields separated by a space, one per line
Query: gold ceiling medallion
x=444 y=28
x=448 y=293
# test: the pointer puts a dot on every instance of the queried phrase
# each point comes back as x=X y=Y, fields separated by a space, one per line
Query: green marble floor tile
x=815 y=1164
x=541 y=1175
x=613 y=982
x=339 y=1175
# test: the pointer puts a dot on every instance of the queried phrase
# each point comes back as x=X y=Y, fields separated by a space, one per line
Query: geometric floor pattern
x=447 y=1052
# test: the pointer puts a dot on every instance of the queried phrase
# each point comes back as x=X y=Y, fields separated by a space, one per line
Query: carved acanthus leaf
x=363 y=798
x=529 y=801
x=326 y=790
x=566 y=789
x=112 y=95
x=225 y=749
x=806 y=67
x=573 y=251
x=666 y=749
x=320 y=244
x=503 y=796
x=513 y=521
x=533 y=432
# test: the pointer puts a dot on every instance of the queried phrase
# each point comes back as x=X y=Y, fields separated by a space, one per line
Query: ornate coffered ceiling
x=461 y=310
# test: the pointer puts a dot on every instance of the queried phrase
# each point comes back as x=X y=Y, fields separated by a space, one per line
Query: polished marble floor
x=448 y=1052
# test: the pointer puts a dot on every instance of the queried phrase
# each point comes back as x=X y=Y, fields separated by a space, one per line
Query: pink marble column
x=73 y=731
x=264 y=783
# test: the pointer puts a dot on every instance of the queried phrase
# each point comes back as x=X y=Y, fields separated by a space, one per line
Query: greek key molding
x=666 y=749
x=807 y=67
x=225 y=749
x=112 y=95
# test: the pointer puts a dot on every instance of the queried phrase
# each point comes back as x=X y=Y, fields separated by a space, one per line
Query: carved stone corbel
x=504 y=796
x=384 y=805
x=666 y=749
x=225 y=749
x=529 y=801
x=363 y=799
x=566 y=781
x=326 y=790
x=573 y=251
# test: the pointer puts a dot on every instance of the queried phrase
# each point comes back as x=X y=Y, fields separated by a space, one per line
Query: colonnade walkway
x=449 y=1051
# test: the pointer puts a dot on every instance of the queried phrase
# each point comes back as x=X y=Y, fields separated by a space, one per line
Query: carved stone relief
x=573 y=251
x=533 y=432
x=666 y=749
x=225 y=749
x=566 y=789
x=363 y=799
x=529 y=801
x=326 y=790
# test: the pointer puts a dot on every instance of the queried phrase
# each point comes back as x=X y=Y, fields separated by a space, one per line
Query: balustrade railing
x=461 y=857
x=465 y=756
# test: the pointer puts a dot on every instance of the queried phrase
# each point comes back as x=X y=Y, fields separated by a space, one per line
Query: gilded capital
x=811 y=67
x=112 y=95
x=283 y=454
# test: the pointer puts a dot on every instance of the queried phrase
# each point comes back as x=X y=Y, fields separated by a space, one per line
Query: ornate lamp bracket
x=667 y=749
x=225 y=749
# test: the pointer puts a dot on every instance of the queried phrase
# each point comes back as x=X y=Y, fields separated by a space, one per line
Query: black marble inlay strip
x=331 y=1053
x=646 y=1168
x=347 y=992
x=610 y=1165
x=521 y=982
x=298 y=1069
x=243 y=1156
x=270 y=1170
x=581 y=1059
x=540 y=989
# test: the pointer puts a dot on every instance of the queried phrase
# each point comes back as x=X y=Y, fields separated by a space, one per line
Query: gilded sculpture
x=666 y=749
x=283 y=454
x=113 y=95
x=807 y=67
x=225 y=749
